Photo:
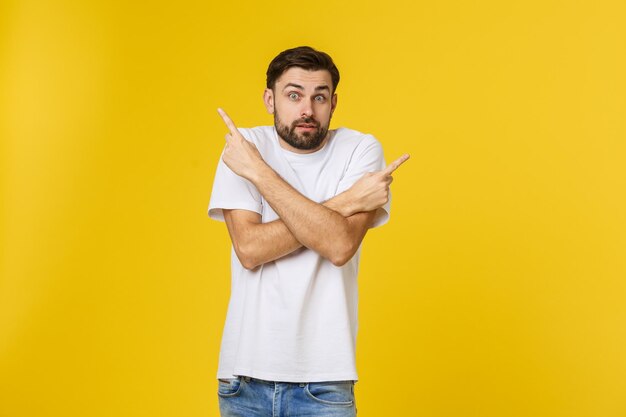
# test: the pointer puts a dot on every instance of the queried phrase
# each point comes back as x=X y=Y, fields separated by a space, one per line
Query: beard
x=305 y=140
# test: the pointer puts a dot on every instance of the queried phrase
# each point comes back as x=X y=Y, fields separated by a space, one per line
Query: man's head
x=303 y=57
x=300 y=93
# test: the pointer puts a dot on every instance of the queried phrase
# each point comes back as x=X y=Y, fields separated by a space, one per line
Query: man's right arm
x=316 y=226
x=257 y=243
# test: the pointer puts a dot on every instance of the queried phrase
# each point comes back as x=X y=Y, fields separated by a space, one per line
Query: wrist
x=261 y=173
x=343 y=204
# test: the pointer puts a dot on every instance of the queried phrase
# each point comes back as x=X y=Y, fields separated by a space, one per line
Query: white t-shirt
x=294 y=319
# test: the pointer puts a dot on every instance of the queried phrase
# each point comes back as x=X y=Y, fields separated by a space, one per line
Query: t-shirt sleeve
x=230 y=191
x=367 y=157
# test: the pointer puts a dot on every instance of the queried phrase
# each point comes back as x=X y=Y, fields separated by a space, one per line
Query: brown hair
x=302 y=57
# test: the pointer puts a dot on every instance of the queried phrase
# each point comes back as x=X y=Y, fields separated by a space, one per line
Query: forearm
x=257 y=243
x=316 y=226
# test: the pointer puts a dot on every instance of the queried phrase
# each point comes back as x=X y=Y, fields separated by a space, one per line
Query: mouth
x=306 y=126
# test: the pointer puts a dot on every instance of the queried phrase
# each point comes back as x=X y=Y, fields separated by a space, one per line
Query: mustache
x=306 y=120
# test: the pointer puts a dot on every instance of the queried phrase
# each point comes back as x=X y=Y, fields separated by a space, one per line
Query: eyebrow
x=318 y=88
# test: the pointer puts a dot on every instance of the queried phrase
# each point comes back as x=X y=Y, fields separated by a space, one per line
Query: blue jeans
x=249 y=397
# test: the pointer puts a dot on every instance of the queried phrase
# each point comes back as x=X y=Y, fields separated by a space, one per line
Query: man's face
x=302 y=103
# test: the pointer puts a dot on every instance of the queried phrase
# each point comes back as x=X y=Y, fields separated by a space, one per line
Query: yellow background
x=497 y=289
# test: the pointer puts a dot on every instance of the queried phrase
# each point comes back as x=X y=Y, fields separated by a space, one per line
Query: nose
x=307 y=109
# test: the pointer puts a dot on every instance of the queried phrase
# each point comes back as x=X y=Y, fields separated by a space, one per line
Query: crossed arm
x=333 y=229
x=257 y=243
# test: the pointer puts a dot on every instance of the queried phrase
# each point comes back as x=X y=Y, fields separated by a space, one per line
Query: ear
x=333 y=104
x=268 y=100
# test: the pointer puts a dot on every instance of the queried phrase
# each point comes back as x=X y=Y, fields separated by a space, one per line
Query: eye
x=320 y=99
x=294 y=96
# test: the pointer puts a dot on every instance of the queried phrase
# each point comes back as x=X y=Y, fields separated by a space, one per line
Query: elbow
x=342 y=254
x=248 y=263
x=339 y=261
x=246 y=257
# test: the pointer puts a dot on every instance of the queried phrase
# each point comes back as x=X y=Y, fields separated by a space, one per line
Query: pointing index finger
x=396 y=164
x=228 y=121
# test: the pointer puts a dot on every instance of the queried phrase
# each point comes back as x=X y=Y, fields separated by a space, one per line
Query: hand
x=240 y=155
x=371 y=191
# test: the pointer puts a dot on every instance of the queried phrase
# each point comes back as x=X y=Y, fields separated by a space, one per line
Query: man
x=297 y=199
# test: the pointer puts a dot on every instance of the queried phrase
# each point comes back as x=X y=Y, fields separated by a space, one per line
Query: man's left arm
x=314 y=225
